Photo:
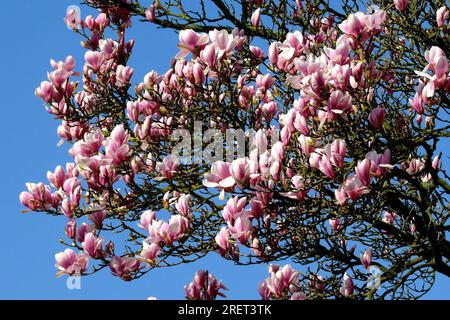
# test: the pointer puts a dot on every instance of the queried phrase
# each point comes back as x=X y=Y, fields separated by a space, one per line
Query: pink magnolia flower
x=93 y=246
x=240 y=170
x=438 y=63
x=415 y=166
x=107 y=175
x=83 y=230
x=264 y=82
x=102 y=21
x=147 y=217
x=98 y=217
x=298 y=182
x=354 y=188
x=307 y=144
x=347 y=286
x=269 y=109
x=117 y=148
x=175 y=229
x=223 y=240
x=150 y=13
x=57 y=178
x=298 y=296
x=71 y=229
x=191 y=42
x=277 y=152
x=72 y=18
x=72 y=187
x=389 y=217
x=209 y=54
x=220 y=176
x=224 y=41
x=39 y=197
x=241 y=227
x=124 y=267
x=335 y=224
x=280 y=280
x=94 y=60
x=204 y=287
x=339 y=103
x=337 y=152
x=376 y=117
x=182 y=205
x=435 y=162
x=362 y=25
x=379 y=162
x=71 y=131
x=89 y=146
x=123 y=75
x=256 y=17
x=168 y=167
x=47 y=92
x=322 y=162
x=264 y=291
x=257 y=52
x=150 y=252
x=442 y=15
x=234 y=207
x=363 y=170
x=340 y=195
x=68 y=262
x=401 y=5
x=352 y=25
x=256 y=208
x=366 y=258
x=260 y=140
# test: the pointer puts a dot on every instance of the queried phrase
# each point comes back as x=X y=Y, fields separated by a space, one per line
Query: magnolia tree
x=307 y=131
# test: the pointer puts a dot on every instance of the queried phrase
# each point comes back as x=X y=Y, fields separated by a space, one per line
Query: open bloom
x=39 y=197
x=117 y=148
x=362 y=25
x=220 y=176
x=191 y=42
x=354 y=188
x=124 y=267
x=92 y=246
x=150 y=252
x=279 y=282
x=69 y=262
x=204 y=287
x=168 y=167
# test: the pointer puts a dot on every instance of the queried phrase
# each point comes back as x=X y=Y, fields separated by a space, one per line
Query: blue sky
x=33 y=33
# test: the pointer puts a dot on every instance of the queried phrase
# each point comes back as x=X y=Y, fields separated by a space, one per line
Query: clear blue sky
x=32 y=33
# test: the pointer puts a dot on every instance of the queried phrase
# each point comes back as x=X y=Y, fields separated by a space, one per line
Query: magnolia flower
x=376 y=117
x=366 y=258
x=401 y=5
x=93 y=246
x=204 y=287
x=168 y=167
x=149 y=252
x=124 y=267
x=347 y=286
x=256 y=17
x=220 y=177
x=191 y=42
x=68 y=262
